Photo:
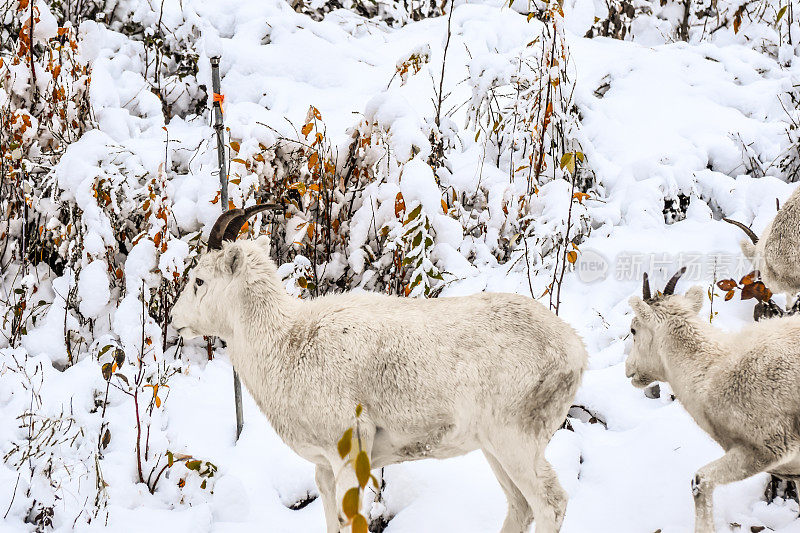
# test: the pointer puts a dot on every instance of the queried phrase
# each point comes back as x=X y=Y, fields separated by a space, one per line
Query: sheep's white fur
x=437 y=378
x=777 y=253
x=741 y=388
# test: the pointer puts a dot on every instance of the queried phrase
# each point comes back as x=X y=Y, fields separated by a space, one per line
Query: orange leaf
x=306 y=129
x=580 y=196
x=444 y=206
x=312 y=161
x=235 y=146
x=399 y=205
x=572 y=256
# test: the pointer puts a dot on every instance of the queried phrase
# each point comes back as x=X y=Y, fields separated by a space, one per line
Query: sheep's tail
x=748 y=231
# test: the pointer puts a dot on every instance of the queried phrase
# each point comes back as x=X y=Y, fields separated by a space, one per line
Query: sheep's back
x=414 y=361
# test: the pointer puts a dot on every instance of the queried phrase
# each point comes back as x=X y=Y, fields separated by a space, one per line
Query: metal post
x=223 y=184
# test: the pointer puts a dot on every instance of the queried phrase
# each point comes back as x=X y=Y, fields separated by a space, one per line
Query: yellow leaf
x=345 y=443
x=306 y=129
x=359 y=410
x=350 y=502
x=362 y=468
x=572 y=256
x=360 y=524
x=568 y=162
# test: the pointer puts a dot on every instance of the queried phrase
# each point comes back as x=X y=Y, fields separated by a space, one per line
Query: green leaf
x=103 y=350
x=414 y=213
x=416 y=240
x=345 y=443
x=193 y=465
x=350 y=502
x=362 y=468
x=119 y=357
x=781 y=13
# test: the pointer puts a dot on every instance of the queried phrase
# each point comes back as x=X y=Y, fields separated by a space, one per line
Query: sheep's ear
x=696 y=295
x=641 y=308
x=265 y=241
x=233 y=260
x=748 y=248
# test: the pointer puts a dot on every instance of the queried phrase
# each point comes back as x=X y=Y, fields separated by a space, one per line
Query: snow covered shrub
x=392 y=12
x=522 y=109
x=319 y=186
x=789 y=164
x=768 y=25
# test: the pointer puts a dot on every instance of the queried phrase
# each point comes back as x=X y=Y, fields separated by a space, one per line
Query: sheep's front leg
x=327 y=491
x=736 y=465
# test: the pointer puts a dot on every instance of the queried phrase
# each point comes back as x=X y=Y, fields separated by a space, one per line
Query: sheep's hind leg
x=522 y=458
x=737 y=464
x=519 y=516
x=327 y=492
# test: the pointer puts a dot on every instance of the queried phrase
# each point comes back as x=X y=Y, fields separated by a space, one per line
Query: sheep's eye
x=633 y=331
x=199 y=282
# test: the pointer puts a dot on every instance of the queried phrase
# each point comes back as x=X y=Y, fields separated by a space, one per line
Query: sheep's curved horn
x=235 y=225
x=670 y=288
x=229 y=223
x=645 y=288
x=218 y=231
x=748 y=231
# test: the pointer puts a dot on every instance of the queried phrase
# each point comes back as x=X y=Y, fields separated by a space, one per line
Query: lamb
x=437 y=378
x=740 y=388
x=776 y=253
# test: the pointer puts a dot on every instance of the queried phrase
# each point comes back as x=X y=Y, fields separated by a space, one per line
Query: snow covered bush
x=392 y=12
x=769 y=25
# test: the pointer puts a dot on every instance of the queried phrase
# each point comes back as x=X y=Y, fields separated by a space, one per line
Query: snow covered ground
x=657 y=120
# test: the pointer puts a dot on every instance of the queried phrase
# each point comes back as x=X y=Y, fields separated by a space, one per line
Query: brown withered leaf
x=726 y=284
x=750 y=278
x=756 y=290
x=728 y=295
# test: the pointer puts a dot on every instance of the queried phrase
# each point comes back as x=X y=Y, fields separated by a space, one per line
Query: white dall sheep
x=437 y=378
x=741 y=388
x=776 y=254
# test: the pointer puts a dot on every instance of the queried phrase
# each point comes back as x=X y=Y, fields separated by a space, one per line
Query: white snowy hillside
x=418 y=149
